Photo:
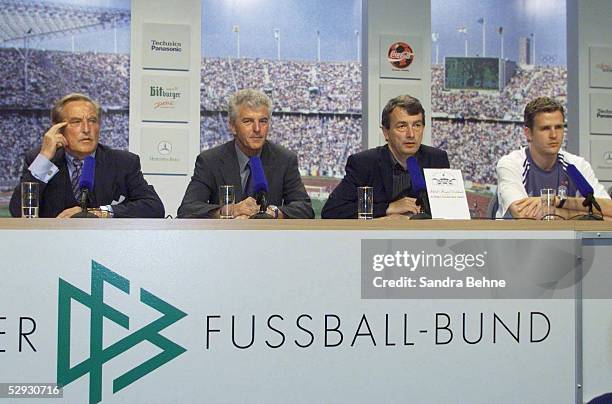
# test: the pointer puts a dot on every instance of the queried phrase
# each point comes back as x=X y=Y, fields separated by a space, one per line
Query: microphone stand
x=262 y=201
x=83 y=203
x=588 y=203
x=421 y=216
x=423 y=202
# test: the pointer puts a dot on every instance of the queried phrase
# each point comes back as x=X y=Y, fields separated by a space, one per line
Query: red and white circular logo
x=400 y=55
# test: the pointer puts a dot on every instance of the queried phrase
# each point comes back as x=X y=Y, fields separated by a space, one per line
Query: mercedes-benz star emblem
x=164 y=147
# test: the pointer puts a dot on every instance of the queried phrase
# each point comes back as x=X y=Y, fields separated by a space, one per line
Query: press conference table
x=316 y=225
x=297 y=284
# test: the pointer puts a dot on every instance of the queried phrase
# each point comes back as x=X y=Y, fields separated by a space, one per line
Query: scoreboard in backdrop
x=472 y=73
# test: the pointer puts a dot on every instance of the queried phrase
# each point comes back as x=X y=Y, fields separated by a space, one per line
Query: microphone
x=86 y=184
x=586 y=190
x=86 y=181
x=260 y=188
x=419 y=187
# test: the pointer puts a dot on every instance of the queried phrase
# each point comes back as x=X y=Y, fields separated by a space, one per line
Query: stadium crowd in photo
x=317 y=107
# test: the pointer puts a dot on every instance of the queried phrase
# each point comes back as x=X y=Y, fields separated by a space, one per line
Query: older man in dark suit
x=120 y=189
x=228 y=164
x=384 y=168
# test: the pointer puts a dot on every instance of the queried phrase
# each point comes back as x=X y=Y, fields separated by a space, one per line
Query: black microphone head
x=87 y=174
x=257 y=175
x=582 y=184
x=419 y=188
x=416 y=175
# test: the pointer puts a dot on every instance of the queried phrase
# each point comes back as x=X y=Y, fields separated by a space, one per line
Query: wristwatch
x=562 y=198
x=274 y=209
x=107 y=211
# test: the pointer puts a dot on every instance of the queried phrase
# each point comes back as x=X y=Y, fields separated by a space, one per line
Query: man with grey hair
x=119 y=188
x=228 y=164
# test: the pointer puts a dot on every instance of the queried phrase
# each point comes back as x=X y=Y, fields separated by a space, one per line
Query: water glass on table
x=365 y=203
x=226 y=201
x=29 y=199
x=547 y=201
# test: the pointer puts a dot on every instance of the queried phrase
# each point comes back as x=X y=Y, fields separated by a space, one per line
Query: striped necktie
x=74 y=178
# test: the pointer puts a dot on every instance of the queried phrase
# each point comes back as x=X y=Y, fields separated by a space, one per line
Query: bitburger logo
x=400 y=55
x=167 y=95
x=604 y=67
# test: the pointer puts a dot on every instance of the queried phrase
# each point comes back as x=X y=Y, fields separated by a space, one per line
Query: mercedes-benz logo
x=164 y=147
x=608 y=157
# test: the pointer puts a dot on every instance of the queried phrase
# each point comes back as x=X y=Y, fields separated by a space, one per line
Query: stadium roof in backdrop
x=51 y=20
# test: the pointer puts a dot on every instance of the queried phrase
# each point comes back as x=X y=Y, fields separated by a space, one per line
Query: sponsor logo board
x=601 y=114
x=600 y=67
x=164 y=150
x=401 y=56
x=165 y=99
x=166 y=47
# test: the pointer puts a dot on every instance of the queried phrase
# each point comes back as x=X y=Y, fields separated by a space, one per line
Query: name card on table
x=446 y=192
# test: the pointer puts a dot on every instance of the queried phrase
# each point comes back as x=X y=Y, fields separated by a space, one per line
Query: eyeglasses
x=403 y=126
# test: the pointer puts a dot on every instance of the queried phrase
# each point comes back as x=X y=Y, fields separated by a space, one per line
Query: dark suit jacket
x=117 y=174
x=374 y=168
x=219 y=166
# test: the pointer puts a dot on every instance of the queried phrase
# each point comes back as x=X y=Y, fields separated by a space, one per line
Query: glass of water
x=365 y=203
x=29 y=199
x=547 y=202
x=226 y=201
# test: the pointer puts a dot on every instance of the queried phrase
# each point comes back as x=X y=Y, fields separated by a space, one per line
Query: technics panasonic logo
x=166 y=46
x=604 y=113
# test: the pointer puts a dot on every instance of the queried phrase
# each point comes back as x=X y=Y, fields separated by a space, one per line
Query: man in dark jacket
x=384 y=168
x=228 y=164
x=119 y=188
